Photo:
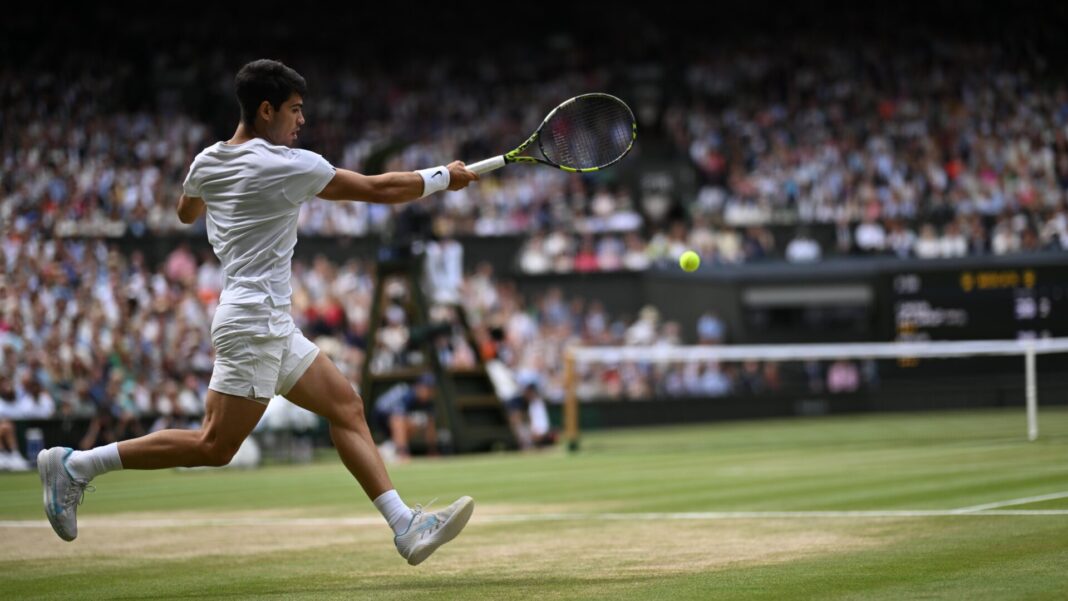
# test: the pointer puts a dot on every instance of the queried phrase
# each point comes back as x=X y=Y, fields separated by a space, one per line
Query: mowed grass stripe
x=801 y=489
x=762 y=479
x=816 y=436
x=933 y=558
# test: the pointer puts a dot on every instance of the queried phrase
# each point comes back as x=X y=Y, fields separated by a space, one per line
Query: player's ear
x=266 y=110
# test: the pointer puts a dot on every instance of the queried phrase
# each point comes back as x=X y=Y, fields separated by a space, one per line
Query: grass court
x=954 y=505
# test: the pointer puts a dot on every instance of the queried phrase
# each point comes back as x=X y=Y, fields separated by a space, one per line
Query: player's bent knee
x=216 y=453
x=219 y=456
x=349 y=411
x=353 y=410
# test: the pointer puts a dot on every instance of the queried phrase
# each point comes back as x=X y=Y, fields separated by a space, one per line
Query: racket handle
x=487 y=165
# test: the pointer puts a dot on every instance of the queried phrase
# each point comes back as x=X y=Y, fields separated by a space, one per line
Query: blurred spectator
x=643 y=331
x=843 y=236
x=168 y=409
x=10 y=456
x=1005 y=238
x=870 y=236
x=901 y=241
x=31 y=400
x=803 y=249
x=757 y=243
x=954 y=243
x=533 y=258
x=405 y=410
x=444 y=266
x=712 y=381
x=634 y=256
x=180 y=265
x=928 y=246
x=586 y=259
x=751 y=378
x=710 y=329
x=116 y=416
x=843 y=376
x=528 y=415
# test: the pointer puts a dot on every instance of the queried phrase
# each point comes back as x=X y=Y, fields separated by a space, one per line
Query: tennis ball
x=689 y=261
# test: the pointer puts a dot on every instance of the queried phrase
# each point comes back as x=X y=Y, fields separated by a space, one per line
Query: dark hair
x=269 y=80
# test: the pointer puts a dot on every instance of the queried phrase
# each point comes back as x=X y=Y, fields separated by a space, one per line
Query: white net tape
x=802 y=352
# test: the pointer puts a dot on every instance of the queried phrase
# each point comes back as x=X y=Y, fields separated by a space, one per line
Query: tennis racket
x=586 y=133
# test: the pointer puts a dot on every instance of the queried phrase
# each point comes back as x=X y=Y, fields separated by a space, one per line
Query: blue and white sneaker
x=428 y=531
x=62 y=492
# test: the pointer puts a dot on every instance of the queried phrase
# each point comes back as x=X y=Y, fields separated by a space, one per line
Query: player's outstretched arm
x=389 y=188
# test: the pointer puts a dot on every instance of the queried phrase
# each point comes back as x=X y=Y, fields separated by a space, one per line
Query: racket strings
x=589 y=132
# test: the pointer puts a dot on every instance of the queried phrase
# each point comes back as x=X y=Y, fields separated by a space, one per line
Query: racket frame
x=514 y=156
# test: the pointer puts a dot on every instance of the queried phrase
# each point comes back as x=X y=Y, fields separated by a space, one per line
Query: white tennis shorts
x=259 y=351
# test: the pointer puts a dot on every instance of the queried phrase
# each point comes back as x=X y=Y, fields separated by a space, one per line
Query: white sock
x=397 y=514
x=86 y=465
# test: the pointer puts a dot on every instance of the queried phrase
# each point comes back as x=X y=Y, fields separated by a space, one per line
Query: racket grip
x=487 y=165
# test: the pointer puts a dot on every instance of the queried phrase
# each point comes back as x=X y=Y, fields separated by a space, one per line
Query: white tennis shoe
x=428 y=531
x=62 y=492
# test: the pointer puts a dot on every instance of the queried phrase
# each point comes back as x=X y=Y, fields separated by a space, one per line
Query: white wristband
x=435 y=179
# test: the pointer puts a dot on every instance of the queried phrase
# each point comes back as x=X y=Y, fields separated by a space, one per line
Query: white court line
x=1011 y=502
x=541 y=517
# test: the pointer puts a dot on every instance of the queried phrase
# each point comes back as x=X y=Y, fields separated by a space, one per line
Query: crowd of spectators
x=89 y=332
x=940 y=150
x=530 y=338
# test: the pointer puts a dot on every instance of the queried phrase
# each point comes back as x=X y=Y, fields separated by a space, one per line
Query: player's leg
x=65 y=473
x=228 y=420
x=247 y=360
x=324 y=390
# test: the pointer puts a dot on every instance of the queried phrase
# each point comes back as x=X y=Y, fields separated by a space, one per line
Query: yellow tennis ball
x=689 y=261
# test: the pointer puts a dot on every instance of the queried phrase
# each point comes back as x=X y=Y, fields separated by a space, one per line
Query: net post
x=1031 y=391
x=571 y=426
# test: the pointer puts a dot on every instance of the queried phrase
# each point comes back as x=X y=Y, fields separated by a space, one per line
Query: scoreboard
x=986 y=303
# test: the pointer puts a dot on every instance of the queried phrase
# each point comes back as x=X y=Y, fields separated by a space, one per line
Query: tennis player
x=251 y=188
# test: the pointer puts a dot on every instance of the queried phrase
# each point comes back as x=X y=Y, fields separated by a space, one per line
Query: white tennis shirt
x=253 y=192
